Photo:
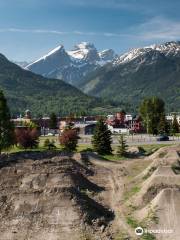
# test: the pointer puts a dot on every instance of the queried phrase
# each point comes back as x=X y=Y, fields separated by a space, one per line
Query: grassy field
x=148 y=149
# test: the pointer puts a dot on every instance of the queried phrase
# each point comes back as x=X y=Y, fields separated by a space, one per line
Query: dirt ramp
x=164 y=214
x=158 y=201
x=165 y=156
x=50 y=198
x=163 y=177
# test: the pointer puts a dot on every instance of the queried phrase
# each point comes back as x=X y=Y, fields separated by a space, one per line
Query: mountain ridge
x=137 y=74
x=72 y=65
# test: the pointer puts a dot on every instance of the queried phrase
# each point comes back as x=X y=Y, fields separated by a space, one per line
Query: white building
x=118 y=130
x=128 y=117
x=170 y=117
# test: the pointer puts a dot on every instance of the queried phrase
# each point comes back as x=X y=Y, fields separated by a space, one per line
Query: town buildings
x=122 y=123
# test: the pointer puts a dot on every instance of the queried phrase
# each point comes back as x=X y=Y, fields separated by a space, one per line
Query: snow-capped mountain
x=107 y=55
x=151 y=53
x=73 y=65
x=84 y=51
x=141 y=72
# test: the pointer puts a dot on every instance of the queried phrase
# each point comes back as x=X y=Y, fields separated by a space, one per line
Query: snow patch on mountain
x=151 y=52
x=54 y=52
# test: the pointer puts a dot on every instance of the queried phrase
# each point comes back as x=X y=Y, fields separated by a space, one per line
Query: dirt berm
x=158 y=201
x=49 y=197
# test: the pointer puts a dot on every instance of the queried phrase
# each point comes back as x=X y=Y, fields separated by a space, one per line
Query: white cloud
x=44 y=31
x=159 y=28
x=101 y=3
x=156 y=29
x=22 y=30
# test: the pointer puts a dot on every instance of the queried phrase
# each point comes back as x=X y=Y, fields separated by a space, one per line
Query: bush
x=27 y=138
x=69 y=140
x=49 y=144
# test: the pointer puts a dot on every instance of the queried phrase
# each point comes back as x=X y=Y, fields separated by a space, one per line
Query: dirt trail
x=113 y=176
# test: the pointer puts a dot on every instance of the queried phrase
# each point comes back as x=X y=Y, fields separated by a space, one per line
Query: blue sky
x=30 y=28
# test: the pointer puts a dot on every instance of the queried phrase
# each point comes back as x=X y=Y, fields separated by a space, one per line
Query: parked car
x=50 y=134
x=163 y=138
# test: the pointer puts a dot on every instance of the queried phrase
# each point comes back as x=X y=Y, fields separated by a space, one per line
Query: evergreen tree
x=175 y=125
x=163 y=126
x=122 y=148
x=6 y=126
x=53 y=121
x=102 y=138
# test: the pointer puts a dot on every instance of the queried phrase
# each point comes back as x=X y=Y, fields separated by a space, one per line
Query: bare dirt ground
x=83 y=197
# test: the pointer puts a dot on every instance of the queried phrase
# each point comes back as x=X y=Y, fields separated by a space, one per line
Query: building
x=122 y=123
x=120 y=130
x=85 y=128
x=170 y=117
x=22 y=121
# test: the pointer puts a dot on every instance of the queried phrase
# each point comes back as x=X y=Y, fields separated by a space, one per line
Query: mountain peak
x=167 y=49
x=71 y=65
x=83 y=51
x=84 y=45
x=55 y=50
x=107 y=55
x=55 y=53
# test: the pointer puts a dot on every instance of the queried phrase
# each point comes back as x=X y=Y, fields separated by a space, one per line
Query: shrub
x=69 y=140
x=49 y=144
x=27 y=138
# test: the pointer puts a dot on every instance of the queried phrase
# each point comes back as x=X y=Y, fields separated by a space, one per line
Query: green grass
x=176 y=168
x=83 y=147
x=51 y=138
x=151 y=148
x=150 y=172
x=148 y=236
x=17 y=149
x=131 y=192
x=113 y=157
x=132 y=222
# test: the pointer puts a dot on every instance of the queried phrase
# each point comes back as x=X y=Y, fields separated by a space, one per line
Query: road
x=142 y=139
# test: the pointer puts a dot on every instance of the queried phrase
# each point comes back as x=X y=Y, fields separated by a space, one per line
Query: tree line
x=152 y=112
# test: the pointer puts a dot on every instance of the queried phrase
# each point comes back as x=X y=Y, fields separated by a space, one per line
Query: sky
x=31 y=28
